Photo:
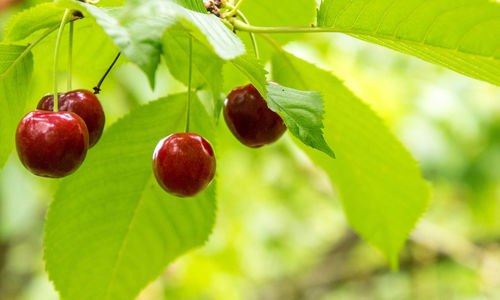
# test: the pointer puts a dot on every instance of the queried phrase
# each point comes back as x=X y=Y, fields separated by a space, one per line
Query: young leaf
x=137 y=30
x=31 y=20
x=111 y=229
x=207 y=66
x=461 y=35
x=302 y=113
x=16 y=67
x=380 y=186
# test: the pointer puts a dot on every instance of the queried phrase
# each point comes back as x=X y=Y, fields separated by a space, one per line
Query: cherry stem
x=56 y=54
x=188 y=116
x=97 y=88
x=235 y=8
x=70 y=55
x=252 y=35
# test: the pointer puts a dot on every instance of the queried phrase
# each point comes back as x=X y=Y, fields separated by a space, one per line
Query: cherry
x=52 y=144
x=250 y=120
x=184 y=164
x=83 y=103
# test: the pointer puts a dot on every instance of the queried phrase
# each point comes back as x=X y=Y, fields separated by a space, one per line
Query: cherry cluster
x=54 y=143
x=53 y=140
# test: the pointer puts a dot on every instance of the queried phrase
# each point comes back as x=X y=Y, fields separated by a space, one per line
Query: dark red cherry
x=83 y=103
x=184 y=164
x=250 y=120
x=52 y=144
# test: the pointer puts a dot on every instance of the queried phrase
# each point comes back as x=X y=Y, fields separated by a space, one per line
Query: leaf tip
x=331 y=153
x=325 y=148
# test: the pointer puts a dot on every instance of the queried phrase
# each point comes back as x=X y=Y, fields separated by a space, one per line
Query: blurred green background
x=280 y=231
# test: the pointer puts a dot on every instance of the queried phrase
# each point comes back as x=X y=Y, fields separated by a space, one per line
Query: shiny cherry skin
x=52 y=144
x=184 y=164
x=83 y=103
x=250 y=120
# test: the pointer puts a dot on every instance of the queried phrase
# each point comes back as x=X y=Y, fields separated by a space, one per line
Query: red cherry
x=83 y=103
x=52 y=144
x=250 y=120
x=184 y=164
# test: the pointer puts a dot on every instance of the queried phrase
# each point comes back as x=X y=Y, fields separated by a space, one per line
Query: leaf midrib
x=126 y=236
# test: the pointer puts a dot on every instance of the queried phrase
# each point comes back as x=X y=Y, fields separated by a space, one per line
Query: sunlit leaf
x=461 y=35
x=111 y=229
x=31 y=20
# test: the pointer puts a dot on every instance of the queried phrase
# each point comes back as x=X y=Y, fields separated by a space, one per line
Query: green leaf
x=379 y=183
x=111 y=229
x=14 y=82
x=302 y=113
x=461 y=35
x=207 y=66
x=137 y=30
x=28 y=21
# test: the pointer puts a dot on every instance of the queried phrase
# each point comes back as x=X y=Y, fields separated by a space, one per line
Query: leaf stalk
x=238 y=25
